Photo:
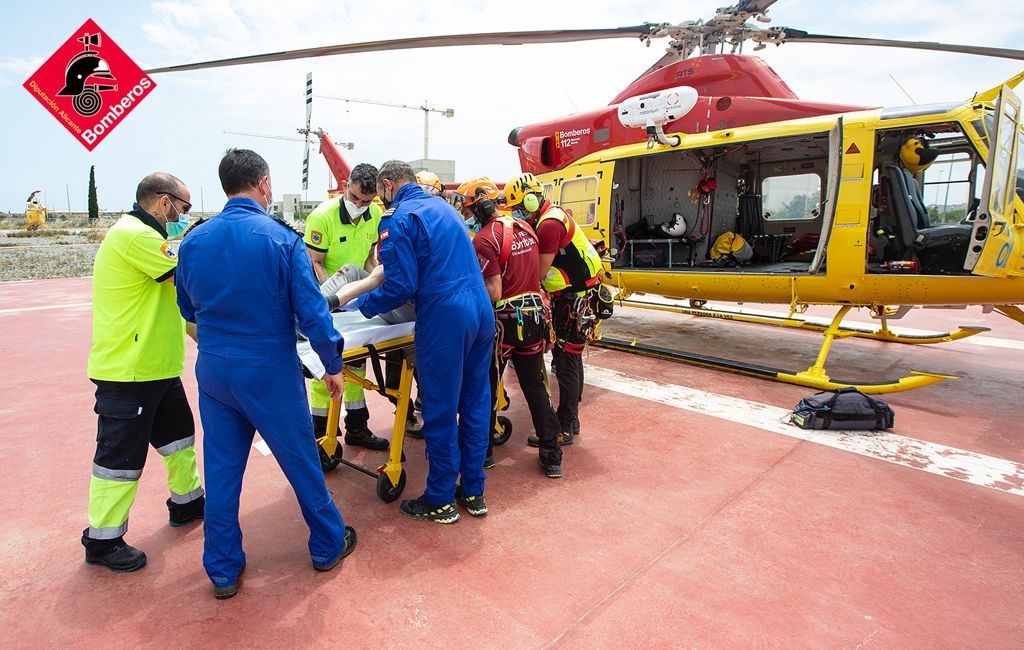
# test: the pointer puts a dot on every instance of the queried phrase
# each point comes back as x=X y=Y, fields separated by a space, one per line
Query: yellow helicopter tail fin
x=991 y=94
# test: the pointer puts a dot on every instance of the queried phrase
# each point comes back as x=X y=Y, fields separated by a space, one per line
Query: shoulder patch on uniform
x=316 y=236
x=287 y=225
x=191 y=227
x=168 y=252
x=390 y=211
x=384 y=234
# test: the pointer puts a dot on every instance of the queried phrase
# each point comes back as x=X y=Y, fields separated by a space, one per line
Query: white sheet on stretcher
x=357 y=332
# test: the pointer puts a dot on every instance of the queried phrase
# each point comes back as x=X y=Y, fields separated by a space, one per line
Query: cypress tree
x=94 y=206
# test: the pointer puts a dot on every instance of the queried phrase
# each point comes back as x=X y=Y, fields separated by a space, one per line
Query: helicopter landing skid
x=1011 y=311
x=813 y=377
x=794 y=321
x=914 y=380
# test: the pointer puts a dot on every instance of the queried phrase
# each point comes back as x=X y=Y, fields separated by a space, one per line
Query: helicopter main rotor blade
x=510 y=38
x=799 y=36
x=755 y=6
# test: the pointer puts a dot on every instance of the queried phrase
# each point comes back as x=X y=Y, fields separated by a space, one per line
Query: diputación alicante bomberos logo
x=89 y=84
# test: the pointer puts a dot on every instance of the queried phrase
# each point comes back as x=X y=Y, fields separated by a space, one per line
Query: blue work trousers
x=237 y=396
x=454 y=344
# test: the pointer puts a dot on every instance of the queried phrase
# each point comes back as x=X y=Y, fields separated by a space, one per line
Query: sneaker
x=576 y=427
x=564 y=439
x=422 y=511
x=185 y=514
x=475 y=506
x=116 y=555
x=414 y=428
x=489 y=462
x=551 y=471
x=350 y=545
x=227 y=591
x=363 y=437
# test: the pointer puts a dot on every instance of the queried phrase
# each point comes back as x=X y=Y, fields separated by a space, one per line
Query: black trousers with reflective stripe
x=526 y=353
x=568 y=359
x=135 y=415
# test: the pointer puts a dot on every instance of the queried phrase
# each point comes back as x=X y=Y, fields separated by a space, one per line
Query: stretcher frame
x=390 y=476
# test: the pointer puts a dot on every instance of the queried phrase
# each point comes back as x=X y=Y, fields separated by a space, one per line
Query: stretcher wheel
x=506 y=431
x=329 y=463
x=388 y=492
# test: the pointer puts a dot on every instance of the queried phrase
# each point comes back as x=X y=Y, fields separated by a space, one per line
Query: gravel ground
x=57 y=261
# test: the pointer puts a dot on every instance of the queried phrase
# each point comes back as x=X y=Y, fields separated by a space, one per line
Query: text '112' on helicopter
x=707 y=178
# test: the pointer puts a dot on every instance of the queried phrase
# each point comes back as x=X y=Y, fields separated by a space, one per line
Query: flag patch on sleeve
x=384 y=234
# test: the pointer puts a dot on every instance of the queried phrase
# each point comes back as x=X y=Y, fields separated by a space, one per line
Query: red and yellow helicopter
x=707 y=178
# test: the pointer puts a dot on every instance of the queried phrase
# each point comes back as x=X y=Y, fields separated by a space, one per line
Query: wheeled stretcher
x=369 y=339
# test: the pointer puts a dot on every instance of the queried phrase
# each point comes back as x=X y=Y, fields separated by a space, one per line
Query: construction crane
x=427 y=110
x=343 y=145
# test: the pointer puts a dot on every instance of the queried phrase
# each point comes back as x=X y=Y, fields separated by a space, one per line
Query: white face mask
x=353 y=210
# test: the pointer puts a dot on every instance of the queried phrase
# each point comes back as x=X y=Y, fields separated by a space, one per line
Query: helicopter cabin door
x=828 y=209
x=995 y=248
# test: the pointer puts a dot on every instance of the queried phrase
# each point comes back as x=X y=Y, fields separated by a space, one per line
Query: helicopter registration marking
x=967 y=466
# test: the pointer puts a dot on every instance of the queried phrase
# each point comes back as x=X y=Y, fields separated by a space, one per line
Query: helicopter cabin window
x=925 y=193
x=743 y=207
x=790 y=198
x=579 y=199
x=549 y=191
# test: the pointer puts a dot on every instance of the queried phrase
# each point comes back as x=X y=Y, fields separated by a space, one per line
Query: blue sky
x=179 y=127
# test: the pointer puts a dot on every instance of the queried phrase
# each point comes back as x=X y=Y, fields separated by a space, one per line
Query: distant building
x=445 y=169
x=292 y=207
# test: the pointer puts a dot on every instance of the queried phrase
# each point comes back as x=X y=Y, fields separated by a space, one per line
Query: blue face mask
x=472 y=225
x=176 y=228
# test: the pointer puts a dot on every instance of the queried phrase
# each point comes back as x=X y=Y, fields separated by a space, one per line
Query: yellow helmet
x=519 y=186
x=916 y=156
x=430 y=182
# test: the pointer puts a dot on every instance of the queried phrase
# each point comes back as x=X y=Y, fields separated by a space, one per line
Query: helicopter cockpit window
x=579 y=198
x=947 y=188
x=791 y=198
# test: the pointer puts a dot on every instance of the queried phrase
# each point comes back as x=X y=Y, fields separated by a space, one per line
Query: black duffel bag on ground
x=846 y=408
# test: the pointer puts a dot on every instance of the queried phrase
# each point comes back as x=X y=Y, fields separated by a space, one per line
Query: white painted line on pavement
x=968 y=466
x=18 y=310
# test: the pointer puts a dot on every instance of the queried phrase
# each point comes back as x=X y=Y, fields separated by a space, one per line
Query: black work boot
x=114 y=554
x=363 y=437
x=357 y=432
x=183 y=514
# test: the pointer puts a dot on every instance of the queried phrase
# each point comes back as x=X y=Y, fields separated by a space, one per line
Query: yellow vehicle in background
x=35 y=212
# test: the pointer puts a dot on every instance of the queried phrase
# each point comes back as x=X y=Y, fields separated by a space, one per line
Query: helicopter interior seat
x=939 y=248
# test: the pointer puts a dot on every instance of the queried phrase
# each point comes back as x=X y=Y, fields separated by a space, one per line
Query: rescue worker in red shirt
x=508 y=252
x=569 y=272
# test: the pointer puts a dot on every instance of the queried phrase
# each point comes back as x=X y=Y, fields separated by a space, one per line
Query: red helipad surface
x=672 y=527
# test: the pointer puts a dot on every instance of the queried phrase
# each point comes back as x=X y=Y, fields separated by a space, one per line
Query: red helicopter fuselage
x=735 y=90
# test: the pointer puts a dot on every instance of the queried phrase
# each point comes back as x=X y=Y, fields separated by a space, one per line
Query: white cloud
x=15 y=70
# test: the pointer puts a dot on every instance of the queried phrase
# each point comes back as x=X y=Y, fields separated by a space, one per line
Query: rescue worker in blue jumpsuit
x=428 y=257
x=244 y=279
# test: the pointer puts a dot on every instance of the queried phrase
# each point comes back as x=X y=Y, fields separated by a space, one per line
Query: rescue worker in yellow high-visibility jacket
x=340 y=234
x=136 y=361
